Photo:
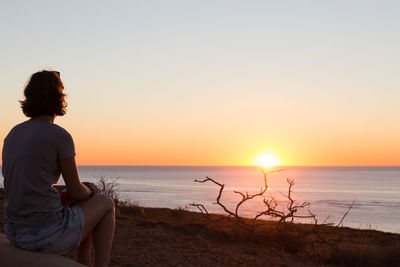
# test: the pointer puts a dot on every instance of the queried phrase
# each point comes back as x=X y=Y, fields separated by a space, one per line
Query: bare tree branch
x=200 y=207
x=285 y=218
x=221 y=188
x=345 y=215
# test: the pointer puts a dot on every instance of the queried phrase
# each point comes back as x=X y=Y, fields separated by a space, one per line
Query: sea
x=370 y=195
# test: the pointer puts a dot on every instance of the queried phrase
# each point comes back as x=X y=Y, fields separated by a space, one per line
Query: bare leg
x=84 y=250
x=99 y=216
x=103 y=235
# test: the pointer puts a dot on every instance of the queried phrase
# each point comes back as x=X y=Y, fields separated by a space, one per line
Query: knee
x=105 y=200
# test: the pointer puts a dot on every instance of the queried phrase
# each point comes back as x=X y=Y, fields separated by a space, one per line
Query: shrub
x=131 y=209
x=109 y=186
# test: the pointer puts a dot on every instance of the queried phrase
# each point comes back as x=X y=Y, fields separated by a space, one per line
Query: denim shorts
x=59 y=237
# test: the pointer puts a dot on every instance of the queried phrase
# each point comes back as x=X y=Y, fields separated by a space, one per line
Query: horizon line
x=125 y=165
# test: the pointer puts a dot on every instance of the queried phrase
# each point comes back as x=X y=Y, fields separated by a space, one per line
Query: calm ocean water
x=375 y=190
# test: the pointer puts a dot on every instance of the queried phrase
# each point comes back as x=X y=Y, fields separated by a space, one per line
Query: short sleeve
x=66 y=146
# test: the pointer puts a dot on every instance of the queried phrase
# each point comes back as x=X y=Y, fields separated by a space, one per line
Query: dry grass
x=363 y=256
x=164 y=237
x=350 y=247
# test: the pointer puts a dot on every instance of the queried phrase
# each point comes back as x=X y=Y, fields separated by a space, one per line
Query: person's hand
x=93 y=187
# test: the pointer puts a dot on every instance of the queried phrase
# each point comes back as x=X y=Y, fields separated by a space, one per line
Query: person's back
x=34 y=155
x=34 y=149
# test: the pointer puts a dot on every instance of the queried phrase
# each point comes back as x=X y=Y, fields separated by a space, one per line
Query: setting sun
x=267 y=160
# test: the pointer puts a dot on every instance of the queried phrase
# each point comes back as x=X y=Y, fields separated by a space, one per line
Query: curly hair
x=44 y=95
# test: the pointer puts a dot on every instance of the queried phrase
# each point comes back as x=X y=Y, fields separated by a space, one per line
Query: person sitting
x=35 y=153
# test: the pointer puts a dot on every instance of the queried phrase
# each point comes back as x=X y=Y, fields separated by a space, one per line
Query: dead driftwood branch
x=345 y=214
x=245 y=196
x=221 y=188
x=285 y=218
x=200 y=207
x=292 y=208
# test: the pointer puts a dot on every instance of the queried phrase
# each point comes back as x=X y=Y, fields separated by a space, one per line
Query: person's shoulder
x=59 y=129
x=39 y=126
x=48 y=128
x=18 y=130
x=19 y=126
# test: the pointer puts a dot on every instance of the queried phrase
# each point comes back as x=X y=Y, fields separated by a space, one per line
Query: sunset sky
x=213 y=82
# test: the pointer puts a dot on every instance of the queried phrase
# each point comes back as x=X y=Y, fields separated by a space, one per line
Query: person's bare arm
x=59 y=187
x=70 y=174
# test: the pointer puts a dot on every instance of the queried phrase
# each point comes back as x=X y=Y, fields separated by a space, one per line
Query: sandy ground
x=164 y=237
x=140 y=243
x=144 y=242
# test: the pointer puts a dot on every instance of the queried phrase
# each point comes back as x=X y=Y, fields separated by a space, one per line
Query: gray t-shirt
x=31 y=166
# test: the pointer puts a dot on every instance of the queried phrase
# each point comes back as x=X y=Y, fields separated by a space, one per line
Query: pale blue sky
x=234 y=76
